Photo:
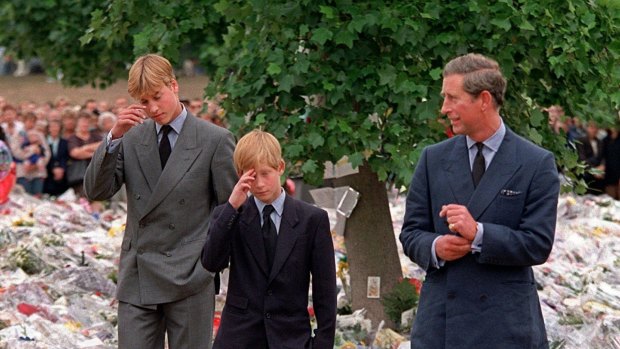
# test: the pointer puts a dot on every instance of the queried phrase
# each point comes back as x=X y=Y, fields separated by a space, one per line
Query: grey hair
x=480 y=73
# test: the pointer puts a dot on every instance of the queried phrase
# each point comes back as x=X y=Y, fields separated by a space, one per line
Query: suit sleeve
x=223 y=170
x=217 y=248
x=324 y=284
x=104 y=175
x=531 y=243
x=417 y=234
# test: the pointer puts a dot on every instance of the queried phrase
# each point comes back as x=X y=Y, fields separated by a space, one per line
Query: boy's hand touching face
x=129 y=117
x=241 y=189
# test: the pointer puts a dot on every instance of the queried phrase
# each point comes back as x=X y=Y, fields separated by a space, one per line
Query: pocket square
x=508 y=192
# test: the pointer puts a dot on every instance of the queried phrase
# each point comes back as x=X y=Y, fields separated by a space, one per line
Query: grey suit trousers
x=145 y=327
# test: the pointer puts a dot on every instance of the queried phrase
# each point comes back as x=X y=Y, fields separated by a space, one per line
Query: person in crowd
x=31 y=159
x=214 y=113
x=103 y=106
x=176 y=169
x=62 y=102
x=590 y=150
x=68 y=116
x=120 y=103
x=29 y=120
x=56 y=183
x=13 y=128
x=274 y=244
x=556 y=118
x=82 y=146
x=480 y=212
x=576 y=131
x=611 y=158
x=105 y=122
x=90 y=105
x=54 y=114
x=195 y=106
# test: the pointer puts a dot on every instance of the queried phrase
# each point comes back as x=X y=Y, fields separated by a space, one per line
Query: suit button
x=268 y=316
x=167 y=254
x=451 y=295
x=140 y=251
x=269 y=292
x=137 y=196
x=182 y=202
x=171 y=226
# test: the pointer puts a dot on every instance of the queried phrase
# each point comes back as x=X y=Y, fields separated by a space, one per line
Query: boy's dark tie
x=478 y=168
x=164 y=145
x=270 y=235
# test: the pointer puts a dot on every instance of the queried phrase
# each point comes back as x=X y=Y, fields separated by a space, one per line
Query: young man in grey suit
x=481 y=211
x=176 y=169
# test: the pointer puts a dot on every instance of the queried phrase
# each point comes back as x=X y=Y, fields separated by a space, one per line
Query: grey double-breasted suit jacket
x=167 y=211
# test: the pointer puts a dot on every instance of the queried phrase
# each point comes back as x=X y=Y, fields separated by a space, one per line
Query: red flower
x=27 y=309
x=311 y=311
x=417 y=284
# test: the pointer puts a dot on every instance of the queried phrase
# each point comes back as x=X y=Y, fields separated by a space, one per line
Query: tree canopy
x=343 y=78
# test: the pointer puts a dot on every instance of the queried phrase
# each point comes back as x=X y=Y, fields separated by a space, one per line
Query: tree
x=339 y=78
x=361 y=79
x=94 y=42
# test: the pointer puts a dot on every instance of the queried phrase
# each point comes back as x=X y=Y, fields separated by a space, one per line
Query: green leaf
x=273 y=69
x=535 y=136
x=357 y=24
x=387 y=75
x=537 y=118
x=356 y=159
x=345 y=37
x=309 y=166
x=315 y=140
x=327 y=11
x=294 y=150
x=303 y=30
x=286 y=83
x=502 y=23
x=436 y=73
x=328 y=86
x=526 y=25
x=321 y=35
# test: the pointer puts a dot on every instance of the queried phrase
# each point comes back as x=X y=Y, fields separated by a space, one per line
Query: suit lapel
x=251 y=233
x=183 y=155
x=148 y=155
x=286 y=236
x=459 y=172
x=501 y=169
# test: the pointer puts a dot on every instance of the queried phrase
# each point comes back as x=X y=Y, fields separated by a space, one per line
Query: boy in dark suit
x=273 y=243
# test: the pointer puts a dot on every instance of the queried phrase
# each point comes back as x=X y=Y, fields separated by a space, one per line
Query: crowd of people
x=52 y=143
x=598 y=147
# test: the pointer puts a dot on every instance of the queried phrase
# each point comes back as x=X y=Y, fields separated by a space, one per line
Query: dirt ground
x=37 y=88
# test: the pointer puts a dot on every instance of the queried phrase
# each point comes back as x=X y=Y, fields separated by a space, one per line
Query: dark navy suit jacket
x=271 y=309
x=58 y=159
x=487 y=299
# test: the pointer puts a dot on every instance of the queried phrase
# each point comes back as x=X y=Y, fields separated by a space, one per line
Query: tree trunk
x=370 y=243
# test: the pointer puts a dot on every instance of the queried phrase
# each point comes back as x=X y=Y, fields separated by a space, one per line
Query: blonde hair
x=149 y=73
x=257 y=147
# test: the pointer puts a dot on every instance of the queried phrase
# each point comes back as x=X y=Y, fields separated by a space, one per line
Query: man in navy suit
x=481 y=211
x=274 y=243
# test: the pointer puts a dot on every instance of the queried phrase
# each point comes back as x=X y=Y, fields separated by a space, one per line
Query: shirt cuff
x=111 y=144
x=476 y=245
x=436 y=262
